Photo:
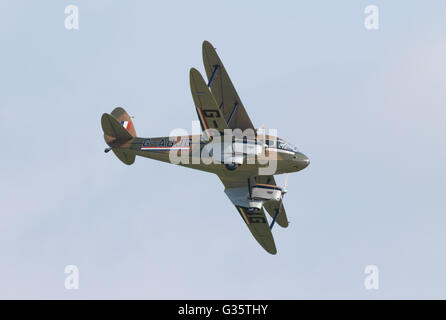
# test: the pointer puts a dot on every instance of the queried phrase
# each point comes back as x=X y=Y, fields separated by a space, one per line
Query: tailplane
x=118 y=130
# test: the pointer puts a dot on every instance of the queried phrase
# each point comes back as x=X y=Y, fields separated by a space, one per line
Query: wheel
x=231 y=166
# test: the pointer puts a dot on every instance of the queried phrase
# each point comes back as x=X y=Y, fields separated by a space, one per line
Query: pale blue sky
x=367 y=107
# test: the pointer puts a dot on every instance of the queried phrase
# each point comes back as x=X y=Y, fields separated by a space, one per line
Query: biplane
x=236 y=160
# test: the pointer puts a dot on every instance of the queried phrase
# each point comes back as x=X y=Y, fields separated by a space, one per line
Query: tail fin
x=122 y=116
x=118 y=129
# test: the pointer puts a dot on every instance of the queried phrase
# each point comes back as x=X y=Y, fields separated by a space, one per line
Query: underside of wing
x=272 y=206
x=235 y=182
x=209 y=114
x=238 y=188
x=258 y=225
x=223 y=90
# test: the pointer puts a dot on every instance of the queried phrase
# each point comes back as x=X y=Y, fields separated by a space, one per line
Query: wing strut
x=232 y=112
x=274 y=219
x=249 y=188
x=213 y=75
x=280 y=203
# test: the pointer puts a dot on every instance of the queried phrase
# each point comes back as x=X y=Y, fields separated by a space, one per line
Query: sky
x=366 y=106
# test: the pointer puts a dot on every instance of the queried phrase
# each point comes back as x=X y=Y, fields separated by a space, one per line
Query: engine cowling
x=266 y=192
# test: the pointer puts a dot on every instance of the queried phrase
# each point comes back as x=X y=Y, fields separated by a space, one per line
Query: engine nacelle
x=266 y=192
x=254 y=198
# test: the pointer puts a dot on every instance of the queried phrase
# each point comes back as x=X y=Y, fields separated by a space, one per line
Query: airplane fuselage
x=194 y=153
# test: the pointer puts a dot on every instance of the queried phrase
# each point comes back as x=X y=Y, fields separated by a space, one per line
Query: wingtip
x=207 y=48
x=207 y=44
x=193 y=72
x=269 y=247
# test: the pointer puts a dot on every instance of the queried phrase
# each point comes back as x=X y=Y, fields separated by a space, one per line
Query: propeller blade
x=285 y=184
x=280 y=203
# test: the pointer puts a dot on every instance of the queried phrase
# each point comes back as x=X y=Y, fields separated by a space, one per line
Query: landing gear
x=231 y=166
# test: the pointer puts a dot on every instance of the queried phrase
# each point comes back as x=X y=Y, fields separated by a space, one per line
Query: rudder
x=118 y=129
x=124 y=119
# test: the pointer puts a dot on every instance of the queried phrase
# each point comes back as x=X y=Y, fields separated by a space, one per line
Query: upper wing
x=223 y=90
x=207 y=109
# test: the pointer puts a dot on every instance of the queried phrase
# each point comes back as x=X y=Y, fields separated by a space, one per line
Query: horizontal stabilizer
x=124 y=156
x=118 y=131
x=114 y=129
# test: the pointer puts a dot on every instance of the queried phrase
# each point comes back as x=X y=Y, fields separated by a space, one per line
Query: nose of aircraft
x=302 y=160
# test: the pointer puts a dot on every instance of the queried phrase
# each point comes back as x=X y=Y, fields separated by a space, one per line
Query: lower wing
x=258 y=225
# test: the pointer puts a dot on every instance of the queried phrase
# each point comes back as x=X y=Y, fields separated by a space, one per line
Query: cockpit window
x=271 y=143
x=281 y=144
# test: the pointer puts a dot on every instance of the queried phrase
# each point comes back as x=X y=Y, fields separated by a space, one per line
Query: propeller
x=262 y=128
x=284 y=190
